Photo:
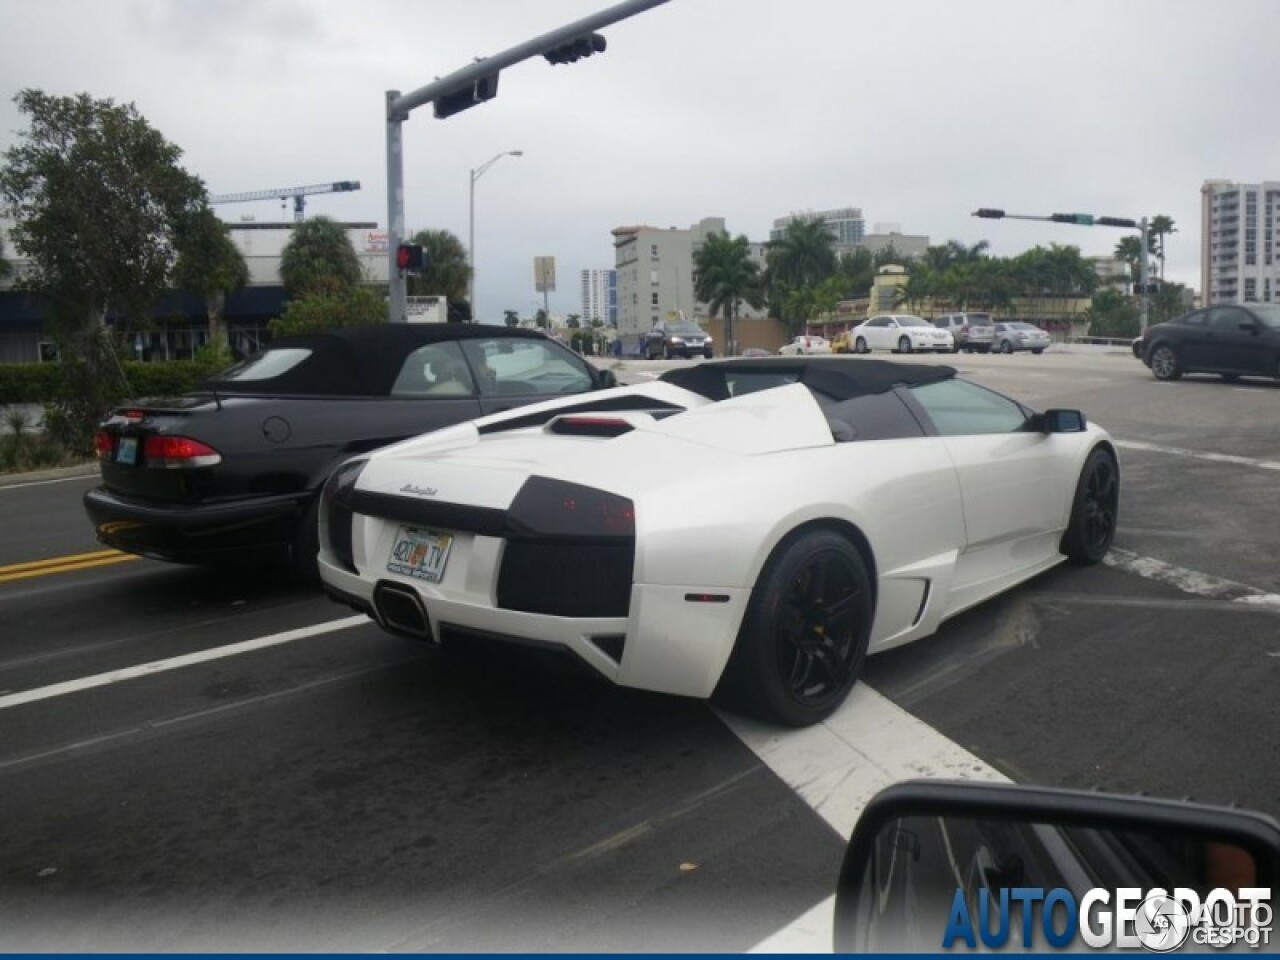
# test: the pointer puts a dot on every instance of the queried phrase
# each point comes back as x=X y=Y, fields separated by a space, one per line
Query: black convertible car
x=234 y=469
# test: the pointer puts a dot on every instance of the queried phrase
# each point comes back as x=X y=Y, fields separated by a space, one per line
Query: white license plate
x=127 y=451
x=419 y=553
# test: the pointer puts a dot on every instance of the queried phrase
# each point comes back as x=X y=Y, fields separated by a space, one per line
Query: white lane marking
x=41 y=483
x=1199 y=454
x=839 y=765
x=174 y=663
x=1190 y=581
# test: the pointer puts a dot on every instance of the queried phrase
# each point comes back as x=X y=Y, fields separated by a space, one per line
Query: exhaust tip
x=401 y=611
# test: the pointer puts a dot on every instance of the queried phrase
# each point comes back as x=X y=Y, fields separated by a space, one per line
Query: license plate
x=419 y=553
x=127 y=451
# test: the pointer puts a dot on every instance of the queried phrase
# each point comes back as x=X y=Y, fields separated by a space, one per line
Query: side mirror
x=1250 y=326
x=940 y=865
x=604 y=378
x=1063 y=421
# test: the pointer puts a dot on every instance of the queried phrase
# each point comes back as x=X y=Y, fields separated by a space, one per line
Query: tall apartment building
x=655 y=275
x=846 y=225
x=1239 y=259
x=600 y=297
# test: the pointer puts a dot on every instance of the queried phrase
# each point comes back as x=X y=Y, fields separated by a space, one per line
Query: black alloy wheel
x=1164 y=363
x=904 y=344
x=1094 y=511
x=804 y=638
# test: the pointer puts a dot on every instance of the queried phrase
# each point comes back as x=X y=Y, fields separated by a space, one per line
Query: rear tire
x=1037 y=350
x=804 y=638
x=1094 y=510
x=1165 y=364
x=1006 y=346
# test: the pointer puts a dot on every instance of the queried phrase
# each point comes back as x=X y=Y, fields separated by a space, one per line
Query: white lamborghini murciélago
x=750 y=529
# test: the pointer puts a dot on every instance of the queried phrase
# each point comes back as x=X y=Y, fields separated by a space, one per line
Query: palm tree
x=1159 y=228
x=804 y=257
x=209 y=264
x=319 y=258
x=446 y=273
x=1129 y=251
x=573 y=321
x=511 y=318
x=724 y=275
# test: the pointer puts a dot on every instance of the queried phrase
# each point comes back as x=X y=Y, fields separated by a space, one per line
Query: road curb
x=87 y=469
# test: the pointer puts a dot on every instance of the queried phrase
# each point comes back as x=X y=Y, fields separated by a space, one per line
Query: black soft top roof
x=840 y=378
x=361 y=361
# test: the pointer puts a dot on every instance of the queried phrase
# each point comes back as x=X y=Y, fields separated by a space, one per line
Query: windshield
x=1269 y=314
x=685 y=328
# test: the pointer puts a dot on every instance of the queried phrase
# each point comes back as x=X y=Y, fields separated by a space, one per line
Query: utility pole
x=474 y=84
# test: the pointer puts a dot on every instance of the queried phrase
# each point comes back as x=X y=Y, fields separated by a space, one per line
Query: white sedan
x=805 y=346
x=748 y=529
x=901 y=333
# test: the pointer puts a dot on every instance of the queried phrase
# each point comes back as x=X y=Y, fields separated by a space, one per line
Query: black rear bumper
x=195 y=533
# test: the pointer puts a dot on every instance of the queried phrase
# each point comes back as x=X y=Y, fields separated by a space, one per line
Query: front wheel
x=1094 y=510
x=707 y=353
x=1006 y=346
x=904 y=344
x=1164 y=363
x=804 y=637
x=860 y=346
x=1037 y=350
x=667 y=352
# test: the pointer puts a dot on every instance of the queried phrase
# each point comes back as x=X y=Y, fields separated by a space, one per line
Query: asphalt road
x=303 y=782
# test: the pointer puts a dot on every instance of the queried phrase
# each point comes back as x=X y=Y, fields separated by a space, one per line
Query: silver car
x=1016 y=335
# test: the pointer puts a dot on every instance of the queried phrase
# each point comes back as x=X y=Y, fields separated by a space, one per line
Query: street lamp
x=476 y=174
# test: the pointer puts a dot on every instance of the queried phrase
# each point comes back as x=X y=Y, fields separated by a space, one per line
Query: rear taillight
x=177 y=453
x=104 y=444
x=554 y=508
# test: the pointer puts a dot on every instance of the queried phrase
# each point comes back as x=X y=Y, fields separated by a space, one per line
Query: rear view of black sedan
x=1232 y=340
x=233 y=470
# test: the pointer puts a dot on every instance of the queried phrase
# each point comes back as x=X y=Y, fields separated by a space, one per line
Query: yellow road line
x=79 y=561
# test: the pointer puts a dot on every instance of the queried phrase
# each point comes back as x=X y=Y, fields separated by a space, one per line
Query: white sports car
x=750 y=529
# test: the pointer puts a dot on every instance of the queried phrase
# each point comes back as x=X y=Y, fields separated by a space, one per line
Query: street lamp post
x=476 y=174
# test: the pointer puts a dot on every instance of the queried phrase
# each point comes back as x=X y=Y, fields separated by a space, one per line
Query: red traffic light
x=410 y=257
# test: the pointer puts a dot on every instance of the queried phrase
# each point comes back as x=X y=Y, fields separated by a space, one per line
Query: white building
x=1239 y=223
x=655 y=276
x=846 y=226
x=600 y=297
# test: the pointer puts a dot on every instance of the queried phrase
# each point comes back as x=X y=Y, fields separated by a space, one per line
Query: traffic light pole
x=1088 y=220
x=484 y=71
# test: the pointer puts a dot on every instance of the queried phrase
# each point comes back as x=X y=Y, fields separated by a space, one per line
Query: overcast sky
x=916 y=111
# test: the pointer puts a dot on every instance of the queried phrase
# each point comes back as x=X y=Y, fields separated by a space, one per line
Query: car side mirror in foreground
x=1063 y=421
x=605 y=379
x=937 y=866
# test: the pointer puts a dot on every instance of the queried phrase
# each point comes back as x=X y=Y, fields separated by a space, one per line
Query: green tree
x=97 y=196
x=573 y=321
x=541 y=320
x=1129 y=251
x=804 y=256
x=318 y=259
x=1112 y=314
x=6 y=268
x=1158 y=229
x=209 y=264
x=326 y=309
x=725 y=276
x=511 y=318
x=447 y=272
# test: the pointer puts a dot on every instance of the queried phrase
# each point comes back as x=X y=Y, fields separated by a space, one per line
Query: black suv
x=677 y=338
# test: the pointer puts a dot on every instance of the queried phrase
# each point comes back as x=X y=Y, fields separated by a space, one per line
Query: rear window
x=266 y=365
x=979 y=319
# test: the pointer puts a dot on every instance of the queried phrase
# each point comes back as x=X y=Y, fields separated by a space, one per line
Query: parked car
x=677 y=338
x=970 y=331
x=234 y=469
x=805 y=346
x=1237 y=340
x=1016 y=335
x=901 y=333
x=874 y=518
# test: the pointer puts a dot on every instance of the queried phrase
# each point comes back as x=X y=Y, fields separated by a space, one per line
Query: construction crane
x=299 y=194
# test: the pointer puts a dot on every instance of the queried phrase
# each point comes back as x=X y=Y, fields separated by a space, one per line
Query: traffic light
x=988 y=214
x=1116 y=222
x=411 y=258
x=466 y=96
x=1084 y=219
x=576 y=49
